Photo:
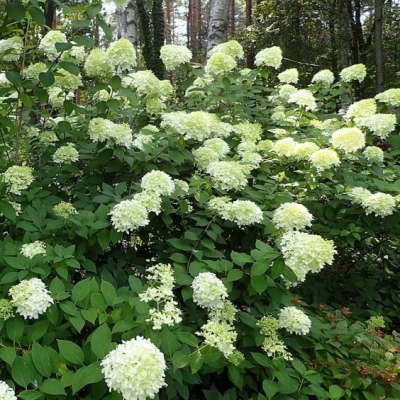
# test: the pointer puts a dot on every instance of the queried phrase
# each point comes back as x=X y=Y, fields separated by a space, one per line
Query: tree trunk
x=127 y=23
x=146 y=33
x=157 y=16
x=218 y=23
x=378 y=46
x=168 y=25
x=250 y=49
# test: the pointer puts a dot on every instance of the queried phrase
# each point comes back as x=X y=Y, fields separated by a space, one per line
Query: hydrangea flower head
x=11 y=48
x=48 y=137
x=76 y=54
x=390 y=96
x=231 y=48
x=248 y=131
x=380 y=204
x=18 y=178
x=66 y=154
x=285 y=91
x=359 y=194
x=285 y=147
x=6 y=312
x=145 y=83
x=289 y=76
x=208 y=291
x=48 y=44
x=57 y=96
x=294 y=321
x=97 y=65
x=361 y=109
x=380 y=124
x=204 y=156
x=67 y=81
x=355 y=72
x=218 y=145
x=6 y=393
x=150 y=200
x=129 y=215
x=121 y=53
x=290 y=216
x=303 y=252
x=324 y=159
x=64 y=210
x=154 y=105
x=244 y=213
x=324 y=77
x=220 y=335
x=30 y=250
x=136 y=369
x=304 y=150
x=31 y=298
x=32 y=71
x=173 y=55
x=303 y=98
x=220 y=63
x=159 y=182
x=228 y=175
x=270 y=57
x=348 y=139
x=374 y=154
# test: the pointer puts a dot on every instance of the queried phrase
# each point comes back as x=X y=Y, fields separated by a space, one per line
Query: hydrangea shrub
x=159 y=241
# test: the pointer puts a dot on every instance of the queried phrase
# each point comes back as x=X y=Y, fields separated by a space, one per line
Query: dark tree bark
x=379 y=46
x=250 y=49
x=157 y=16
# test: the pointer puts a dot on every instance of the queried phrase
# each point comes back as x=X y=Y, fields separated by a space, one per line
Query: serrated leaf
x=37 y=15
x=41 y=360
x=14 y=77
x=61 y=47
x=70 y=67
x=241 y=258
x=16 y=11
x=100 y=341
x=52 y=386
x=109 y=292
x=21 y=372
x=86 y=375
x=71 y=352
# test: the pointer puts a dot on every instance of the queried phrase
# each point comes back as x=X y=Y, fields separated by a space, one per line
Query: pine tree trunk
x=218 y=23
x=378 y=46
x=250 y=49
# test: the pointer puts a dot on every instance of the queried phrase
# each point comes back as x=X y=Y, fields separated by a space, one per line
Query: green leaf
x=299 y=366
x=37 y=15
x=180 y=359
x=234 y=275
x=71 y=352
x=93 y=10
x=259 y=283
x=196 y=361
x=277 y=269
x=241 y=258
x=259 y=268
x=135 y=284
x=98 y=301
x=188 y=338
x=90 y=315
x=8 y=354
x=15 y=328
x=179 y=244
x=100 y=341
x=16 y=11
x=86 y=375
x=106 y=29
x=27 y=100
x=178 y=257
x=169 y=344
x=14 y=77
x=70 y=67
x=46 y=79
x=21 y=372
x=109 y=292
x=61 y=47
x=367 y=395
x=270 y=388
x=81 y=290
x=235 y=376
x=52 y=386
x=104 y=239
x=262 y=359
x=336 y=392
x=84 y=41
x=7 y=210
x=30 y=395
x=41 y=360
x=115 y=82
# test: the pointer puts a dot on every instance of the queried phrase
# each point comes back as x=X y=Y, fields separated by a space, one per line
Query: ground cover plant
x=228 y=236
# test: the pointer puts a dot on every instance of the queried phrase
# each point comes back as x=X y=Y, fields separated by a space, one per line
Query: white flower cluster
x=159 y=182
x=48 y=42
x=136 y=369
x=173 y=55
x=31 y=298
x=145 y=83
x=48 y=137
x=304 y=150
x=150 y=200
x=121 y=54
x=355 y=72
x=361 y=109
x=285 y=91
x=6 y=393
x=285 y=147
x=289 y=216
x=380 y=124
x=58 y=95
x=228 y=175
x=129 y=215
x=101 y=130
x=197 y=125
x=18 y=178
x=289 y=76
x=76 y=54
x=380 y=204
x=374 y=154
x=64 y=210
x=32 y=71
x=160 y=290
x=212 y=150
x=11 y=48
x=303 y=252
x=66 y=154
x=324 y=159
x=390 y=96
x=144 y=138
x=208 y=291
x=220 y=63
x=30 y=250
x=97 y=65
x=220 y=335
x=348 y=139
x=303 y=98
x=231 y=48
x=67 y=81
x=242 y=212
x=294 y=321
x=247 y=131
x=324 y=77
x=270 y=57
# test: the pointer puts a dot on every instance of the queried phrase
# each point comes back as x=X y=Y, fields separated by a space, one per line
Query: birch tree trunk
x=127 y=23
x=218 y=23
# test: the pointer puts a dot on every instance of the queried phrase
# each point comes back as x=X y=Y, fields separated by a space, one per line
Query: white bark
x=218 y=23
x=127 y=23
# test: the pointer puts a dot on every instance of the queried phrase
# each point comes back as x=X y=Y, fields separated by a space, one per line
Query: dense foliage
x=220 y=239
